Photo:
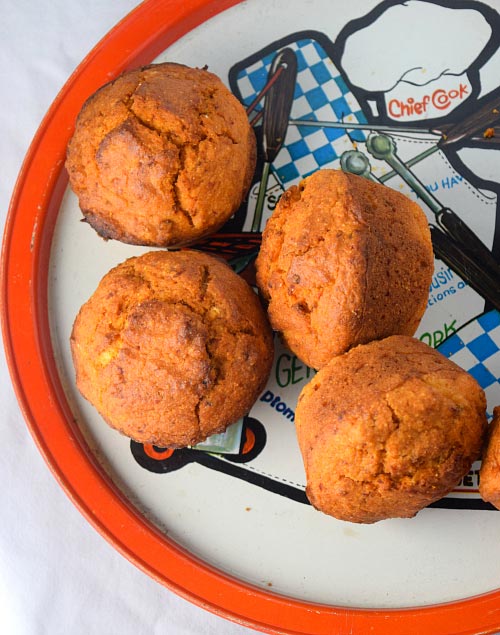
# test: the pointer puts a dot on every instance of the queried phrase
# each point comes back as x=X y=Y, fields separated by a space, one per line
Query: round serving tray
x=234 y=533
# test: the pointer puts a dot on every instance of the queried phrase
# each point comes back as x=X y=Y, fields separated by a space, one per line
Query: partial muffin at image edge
x=172 y=347
x=388 y=428
x=344 y=261
x=489 y=474
x=161 y=156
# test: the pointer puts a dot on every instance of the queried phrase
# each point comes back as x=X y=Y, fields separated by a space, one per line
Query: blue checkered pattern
x=320 y=94
x=476 y=348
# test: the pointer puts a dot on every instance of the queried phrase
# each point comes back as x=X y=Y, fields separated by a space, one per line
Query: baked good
x=161 y=156
x=172 y=347
x=489 y=474
x=344 y=261
x=386 y=429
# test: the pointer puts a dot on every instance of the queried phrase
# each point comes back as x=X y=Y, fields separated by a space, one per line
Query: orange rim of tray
x=136 y=40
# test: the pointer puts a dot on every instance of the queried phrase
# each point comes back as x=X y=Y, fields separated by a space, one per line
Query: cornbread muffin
x=344 y=261
x=172 y=347
x=161 y=156
x=386 y=429
x=489 y=474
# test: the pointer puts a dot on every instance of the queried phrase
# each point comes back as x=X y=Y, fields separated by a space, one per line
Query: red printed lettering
x=440 y=99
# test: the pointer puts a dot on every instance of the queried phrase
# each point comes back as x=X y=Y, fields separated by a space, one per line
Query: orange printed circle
x=249 y=441
x=157 y=454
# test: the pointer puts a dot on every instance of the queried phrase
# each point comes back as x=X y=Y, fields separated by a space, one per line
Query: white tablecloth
x=57 y=574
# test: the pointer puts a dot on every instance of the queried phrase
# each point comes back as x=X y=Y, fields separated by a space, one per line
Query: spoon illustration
x=454 y=242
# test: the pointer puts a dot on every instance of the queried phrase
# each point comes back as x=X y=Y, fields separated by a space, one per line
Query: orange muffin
x=489 y=474
x=386 y=429
x=344 y=261
x=161 y=156
x=172 y=347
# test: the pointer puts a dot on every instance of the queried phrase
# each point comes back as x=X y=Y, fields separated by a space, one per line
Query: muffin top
x=172 y=347
x=388 y=428
x=344 y=261
x=161 y=156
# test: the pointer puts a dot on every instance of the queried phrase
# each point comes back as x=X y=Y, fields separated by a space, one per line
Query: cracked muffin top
x=172 y=347
x=161 y=156
x=344 y=261
x=388 y=428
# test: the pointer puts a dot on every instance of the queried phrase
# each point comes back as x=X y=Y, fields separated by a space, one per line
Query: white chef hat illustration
x=412 y=47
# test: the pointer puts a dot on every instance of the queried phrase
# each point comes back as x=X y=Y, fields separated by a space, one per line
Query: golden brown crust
x=344 y=261
x=489 y=474
x=161 y=156
x=386 y=429
x=172 y=347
